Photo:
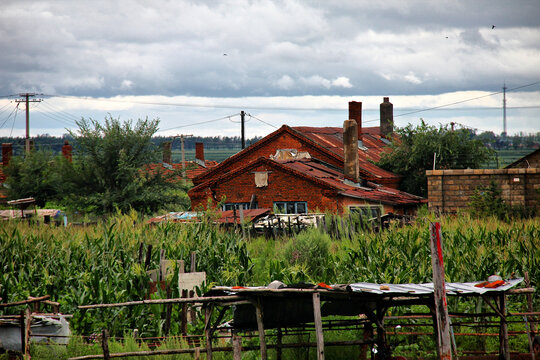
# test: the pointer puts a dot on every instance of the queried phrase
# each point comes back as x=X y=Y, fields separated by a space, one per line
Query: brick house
x=450 y=191
x=299 y=186
x=291 y=172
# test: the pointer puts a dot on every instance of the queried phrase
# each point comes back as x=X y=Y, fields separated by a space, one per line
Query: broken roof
x=336 y=179
x=292 y=305
x=373 y=146
x=328 y=140
x=322 y=174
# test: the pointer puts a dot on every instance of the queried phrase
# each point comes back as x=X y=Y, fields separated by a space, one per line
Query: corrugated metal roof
x=466 y=288
x=228 y=216
x=454 y=289
x=370 y=191
x=332 y=138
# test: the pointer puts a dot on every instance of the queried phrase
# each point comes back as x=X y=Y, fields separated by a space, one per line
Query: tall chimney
x=387 y=117
x=66 y=151
x=350 y=146
x=167 y=152
x=355 y=113
x=199 y=151
x=7 y=152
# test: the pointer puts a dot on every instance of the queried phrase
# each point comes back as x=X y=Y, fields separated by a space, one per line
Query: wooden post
x=279 y=342
x=105 y=344
x=148 y=257
x=197 y=353
x=23 y=331
x=207 y=331
x=260 y=328
x=504 y=348
x=168 y=313
x=530 y=305
x=441 y=307
x=237 y=346
x=27 y=327
x=318 y=325
x=529 y=338
x=193 y=262
x=183 y=322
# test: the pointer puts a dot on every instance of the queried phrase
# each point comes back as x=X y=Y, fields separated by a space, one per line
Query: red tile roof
x=332 y=139
x=193 y=169
x=314 y=171
x=368 y=191
x=328 y=140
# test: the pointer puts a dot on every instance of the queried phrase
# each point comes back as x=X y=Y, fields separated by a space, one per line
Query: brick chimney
x=7 y=152
x=355 y=113
x=67 y=150
x=387 y=117
x=167 y=152
x=350 y=146
x=199 y=151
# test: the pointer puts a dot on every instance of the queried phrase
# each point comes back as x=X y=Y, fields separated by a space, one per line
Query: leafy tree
x=111 y=170
x=36 y=175
x=412 y=152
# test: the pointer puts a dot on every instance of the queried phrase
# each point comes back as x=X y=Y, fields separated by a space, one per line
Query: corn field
x=99 y=264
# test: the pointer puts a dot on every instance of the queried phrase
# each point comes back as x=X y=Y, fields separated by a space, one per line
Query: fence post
x=105 y=344
x=439 y=293
x=318 y=325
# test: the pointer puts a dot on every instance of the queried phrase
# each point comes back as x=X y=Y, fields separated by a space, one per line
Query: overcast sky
x=195 y=63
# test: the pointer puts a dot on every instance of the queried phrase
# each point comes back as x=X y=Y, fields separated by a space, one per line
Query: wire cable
x=199 y=123
x=458 y=102
x=264 y=122
x=68 y=116
x=9 y=116
x=14 y=119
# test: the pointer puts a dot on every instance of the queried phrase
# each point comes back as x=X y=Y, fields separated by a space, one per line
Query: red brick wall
x=450 y=190
x=282 y=186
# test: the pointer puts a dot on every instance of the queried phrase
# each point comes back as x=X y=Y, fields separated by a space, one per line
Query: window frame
x=286 y=206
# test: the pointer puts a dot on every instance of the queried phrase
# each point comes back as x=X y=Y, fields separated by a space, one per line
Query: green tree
x=412 y=152
x=111 y=168
x=37 y=175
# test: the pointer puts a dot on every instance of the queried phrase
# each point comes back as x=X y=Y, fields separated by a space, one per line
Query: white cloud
x=342 y=81
x=285 y=82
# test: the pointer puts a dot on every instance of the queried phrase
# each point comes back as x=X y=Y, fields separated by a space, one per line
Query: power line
x=69 y=117
x=13 y=123
x=9 y=116
x=264 y=122
x=199 y=123
x=458 y=102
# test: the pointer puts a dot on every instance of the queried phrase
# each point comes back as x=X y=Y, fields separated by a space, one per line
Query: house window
x=367 y=211
x=232 y=206
x=290 y=207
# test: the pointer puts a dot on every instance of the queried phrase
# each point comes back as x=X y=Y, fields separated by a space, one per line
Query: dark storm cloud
x=266 y=48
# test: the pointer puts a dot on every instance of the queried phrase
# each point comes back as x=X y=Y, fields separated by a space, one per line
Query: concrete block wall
x=451 y=190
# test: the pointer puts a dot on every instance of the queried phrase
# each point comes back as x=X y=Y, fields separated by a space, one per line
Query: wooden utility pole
x=243 y=119
x=27 y=101
x=182 y=137
x=439 y=292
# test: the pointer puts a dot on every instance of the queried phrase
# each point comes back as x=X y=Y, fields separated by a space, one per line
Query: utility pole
x=504 y=110
x=182 y=137
x=27 y=101
x=243 y=118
